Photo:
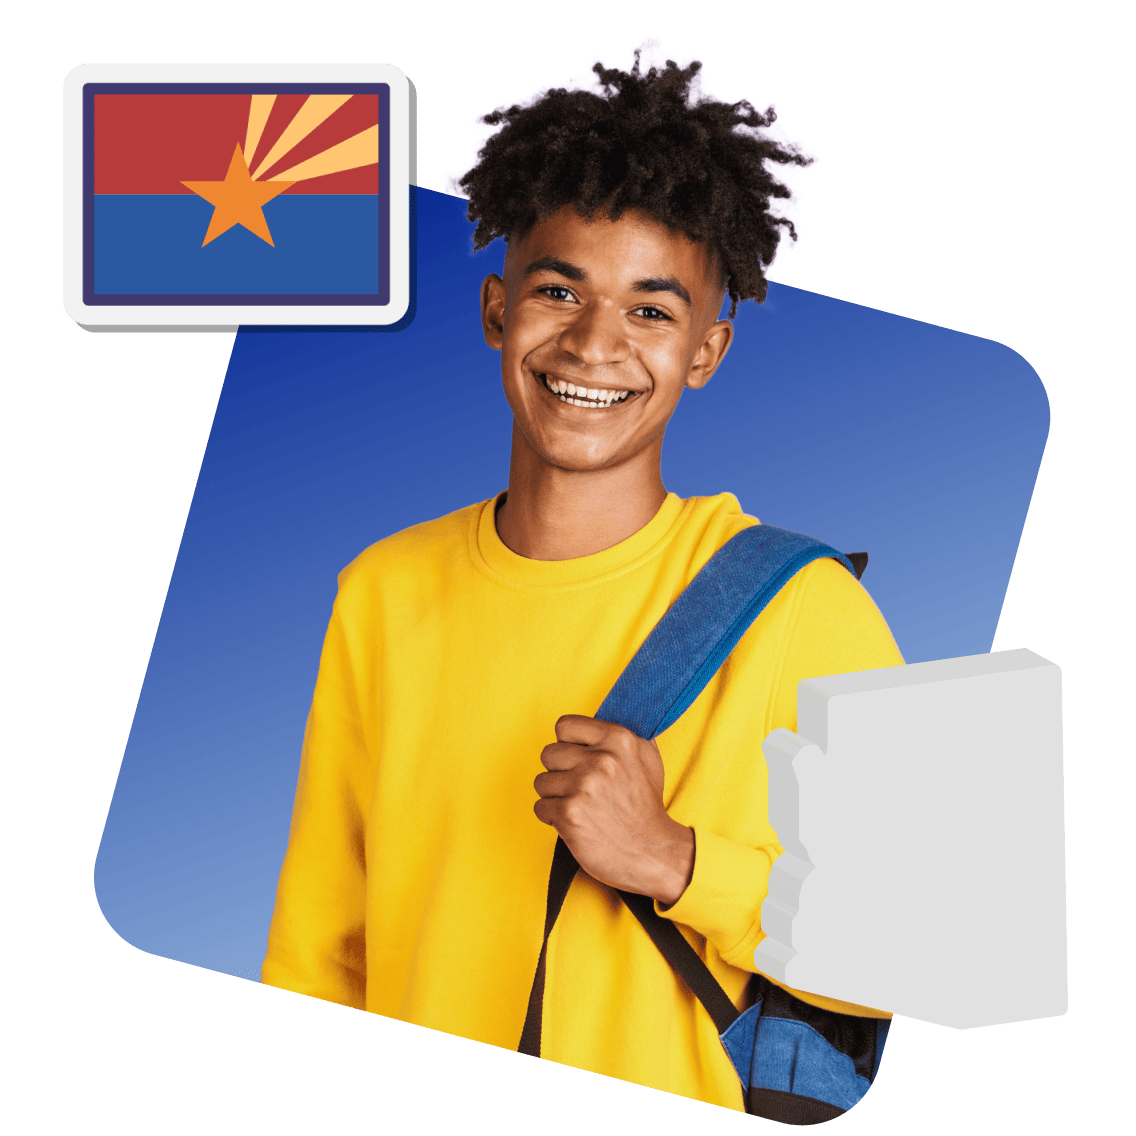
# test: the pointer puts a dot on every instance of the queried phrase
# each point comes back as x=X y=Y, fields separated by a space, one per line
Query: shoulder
x=822 y=621
x=414 y=556
x=707 y=523
x=828 y=582
x=830 y=617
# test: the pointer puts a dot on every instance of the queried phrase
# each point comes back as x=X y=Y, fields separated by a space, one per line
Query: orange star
x=238 y=199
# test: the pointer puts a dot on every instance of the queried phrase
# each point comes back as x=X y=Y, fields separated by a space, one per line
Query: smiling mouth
x=582 y=396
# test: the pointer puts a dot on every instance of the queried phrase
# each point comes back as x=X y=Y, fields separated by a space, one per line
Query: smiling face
x=601 y=326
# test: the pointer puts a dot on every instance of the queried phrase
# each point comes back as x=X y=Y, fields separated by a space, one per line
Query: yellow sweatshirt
x=415 y=877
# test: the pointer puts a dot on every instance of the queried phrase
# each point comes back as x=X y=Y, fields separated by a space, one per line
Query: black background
x=933 y=201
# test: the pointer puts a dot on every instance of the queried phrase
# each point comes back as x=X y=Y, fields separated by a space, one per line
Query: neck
x=557 y=514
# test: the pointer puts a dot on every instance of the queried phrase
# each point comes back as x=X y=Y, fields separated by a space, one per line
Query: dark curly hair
x=696 y=167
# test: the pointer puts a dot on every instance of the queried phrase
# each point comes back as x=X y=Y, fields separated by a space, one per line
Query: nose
x=596 y=335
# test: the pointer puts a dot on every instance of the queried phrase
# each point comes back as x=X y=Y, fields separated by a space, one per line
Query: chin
x=575 y=463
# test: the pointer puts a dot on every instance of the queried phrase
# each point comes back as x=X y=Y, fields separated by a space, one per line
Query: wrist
x=676 y=866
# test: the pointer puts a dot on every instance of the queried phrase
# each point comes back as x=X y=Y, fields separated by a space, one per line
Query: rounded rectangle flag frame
x=213 y=196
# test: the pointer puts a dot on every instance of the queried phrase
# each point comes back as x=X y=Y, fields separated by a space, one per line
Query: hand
x=603 y=793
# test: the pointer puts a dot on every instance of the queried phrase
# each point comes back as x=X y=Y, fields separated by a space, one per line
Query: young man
x=466 y=656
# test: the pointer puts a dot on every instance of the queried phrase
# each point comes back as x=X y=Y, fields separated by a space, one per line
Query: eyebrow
x=571 y=272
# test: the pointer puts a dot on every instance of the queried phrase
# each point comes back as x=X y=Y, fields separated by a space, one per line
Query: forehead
x=615 y=252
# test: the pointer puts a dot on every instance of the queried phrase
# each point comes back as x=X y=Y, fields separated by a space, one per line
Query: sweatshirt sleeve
x=832 y=627
x=316 y=940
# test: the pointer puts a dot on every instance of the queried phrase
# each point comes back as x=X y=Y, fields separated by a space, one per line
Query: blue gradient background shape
x=864 y=429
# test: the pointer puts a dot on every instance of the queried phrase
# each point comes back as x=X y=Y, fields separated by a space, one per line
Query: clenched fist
x=603 y=793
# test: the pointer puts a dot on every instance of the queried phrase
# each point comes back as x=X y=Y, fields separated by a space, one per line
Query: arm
x=603 y=792
x=834 y=628
x=316 y=942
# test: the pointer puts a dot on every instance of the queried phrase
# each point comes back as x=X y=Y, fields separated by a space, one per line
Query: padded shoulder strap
x=704 y=624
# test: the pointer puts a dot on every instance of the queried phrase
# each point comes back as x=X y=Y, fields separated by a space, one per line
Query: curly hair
x=696 y=167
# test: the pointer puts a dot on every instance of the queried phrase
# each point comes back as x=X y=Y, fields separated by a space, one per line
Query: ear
x=711 y=351
x=493 y=310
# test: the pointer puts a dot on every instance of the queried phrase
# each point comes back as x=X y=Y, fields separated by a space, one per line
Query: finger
x=555 y=784
x=581 y=730
x=548 y=810
x=562 y=755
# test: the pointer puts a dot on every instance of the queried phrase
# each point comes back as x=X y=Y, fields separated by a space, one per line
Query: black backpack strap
x=564 y=868
x=683 y=958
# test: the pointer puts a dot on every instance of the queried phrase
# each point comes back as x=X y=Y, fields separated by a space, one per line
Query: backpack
x=797 y=1063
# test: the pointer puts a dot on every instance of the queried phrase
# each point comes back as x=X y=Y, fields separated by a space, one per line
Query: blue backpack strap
x=666 y=674
x=701 y=628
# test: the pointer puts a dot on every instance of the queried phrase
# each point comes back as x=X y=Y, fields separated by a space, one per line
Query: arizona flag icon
x=213 y=201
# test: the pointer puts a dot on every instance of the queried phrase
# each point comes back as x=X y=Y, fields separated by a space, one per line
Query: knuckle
x=607 y=764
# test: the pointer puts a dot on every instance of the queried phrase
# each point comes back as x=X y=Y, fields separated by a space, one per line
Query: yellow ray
x=360 y=149
x=258 y=115
x=315 y=109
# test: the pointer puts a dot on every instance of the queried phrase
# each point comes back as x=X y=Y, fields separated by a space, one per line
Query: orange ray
x=237 y=200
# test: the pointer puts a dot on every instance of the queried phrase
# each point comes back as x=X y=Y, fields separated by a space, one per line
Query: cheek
x=669 y=363
x=521 y=340
x=513 y=352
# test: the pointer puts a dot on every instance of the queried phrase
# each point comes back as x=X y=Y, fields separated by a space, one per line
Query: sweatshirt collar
x=505 y=566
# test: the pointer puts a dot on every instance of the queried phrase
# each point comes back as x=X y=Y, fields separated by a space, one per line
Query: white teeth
x=585 y=396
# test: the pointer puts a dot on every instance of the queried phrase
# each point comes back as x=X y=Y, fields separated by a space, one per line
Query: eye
x=557 y=292
x=562 y=293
